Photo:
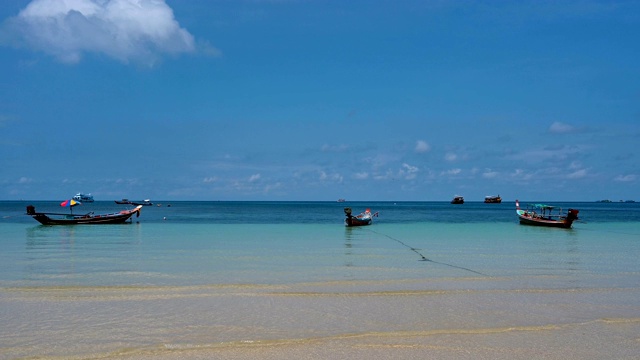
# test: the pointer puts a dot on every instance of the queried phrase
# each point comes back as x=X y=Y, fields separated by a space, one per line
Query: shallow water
x=211 y=278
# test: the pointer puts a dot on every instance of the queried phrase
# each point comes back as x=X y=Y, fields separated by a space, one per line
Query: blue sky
x=319 y=100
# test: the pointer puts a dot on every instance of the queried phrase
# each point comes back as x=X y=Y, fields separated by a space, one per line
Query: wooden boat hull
x=363 y=219
x=354 y=221
x=534 y=219
x=564 y=224
x=62 y=219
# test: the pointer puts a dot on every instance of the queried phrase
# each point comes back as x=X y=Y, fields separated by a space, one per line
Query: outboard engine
x=31 y=210
x=347 y=211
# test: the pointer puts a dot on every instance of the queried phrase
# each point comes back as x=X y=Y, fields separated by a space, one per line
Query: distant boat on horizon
x=146 y=202
x=83 y=197
x=492 y=199
x=457 y=200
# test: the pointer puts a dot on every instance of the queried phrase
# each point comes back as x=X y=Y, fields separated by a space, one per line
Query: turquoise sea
x=246 y=280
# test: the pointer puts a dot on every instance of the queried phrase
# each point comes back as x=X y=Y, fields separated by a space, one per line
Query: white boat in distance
x=83 y=197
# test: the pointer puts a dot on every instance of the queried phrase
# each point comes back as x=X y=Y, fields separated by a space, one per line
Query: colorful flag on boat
x=69 y=203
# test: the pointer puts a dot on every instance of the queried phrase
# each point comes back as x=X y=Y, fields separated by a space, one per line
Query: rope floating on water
x=424 y=258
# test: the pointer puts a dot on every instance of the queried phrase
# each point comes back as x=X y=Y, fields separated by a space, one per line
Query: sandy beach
x=336 y=320
x=570 y=341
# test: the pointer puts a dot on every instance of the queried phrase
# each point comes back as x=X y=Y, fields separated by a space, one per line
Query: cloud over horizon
x=136 y=31
x=561 y=128
x=422 y=146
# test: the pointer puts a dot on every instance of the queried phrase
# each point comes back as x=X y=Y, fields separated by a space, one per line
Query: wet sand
x=400 y=320
x=605 y=339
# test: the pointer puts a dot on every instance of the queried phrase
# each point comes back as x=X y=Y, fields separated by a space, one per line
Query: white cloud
x=548 y=154
x=521 y=175
x=331 y=177
x=385 y=176
x=452 y=172
x=408 y=171
x=561 y=128
x=206 y=48
x=127 y=30
x=488 y=174
x=410 y=168
x=450 y=156
x=361 y=176
x=254 y=178
x=575 y=165
x=25 y=180
x=422 y=146
x=625 y=178
x=578 y=174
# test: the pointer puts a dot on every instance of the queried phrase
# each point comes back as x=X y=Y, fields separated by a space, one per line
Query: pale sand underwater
x=568 y=342
x=355 y=320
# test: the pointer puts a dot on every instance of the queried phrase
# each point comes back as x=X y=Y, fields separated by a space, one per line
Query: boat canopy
x=542 y=206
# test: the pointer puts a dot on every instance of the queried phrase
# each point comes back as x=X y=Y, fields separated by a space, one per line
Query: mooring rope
x=424 y=258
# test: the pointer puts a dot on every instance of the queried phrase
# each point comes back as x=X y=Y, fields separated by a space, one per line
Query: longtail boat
x=542 y=215
x=364 y=218
x=89 y=218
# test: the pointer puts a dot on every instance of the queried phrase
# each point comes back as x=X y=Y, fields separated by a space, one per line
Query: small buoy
x=164 y=218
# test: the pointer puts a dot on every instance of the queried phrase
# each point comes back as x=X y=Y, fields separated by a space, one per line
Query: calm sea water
x=191 y=275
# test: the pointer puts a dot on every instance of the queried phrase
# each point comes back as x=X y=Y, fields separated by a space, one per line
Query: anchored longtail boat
x=541 y=215
x=89 y=218
x=365 y=218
